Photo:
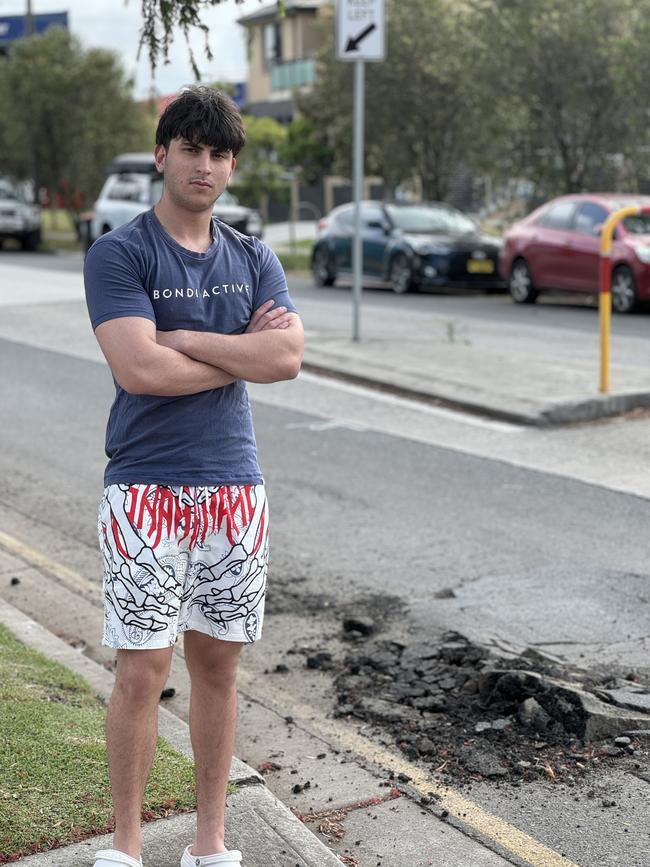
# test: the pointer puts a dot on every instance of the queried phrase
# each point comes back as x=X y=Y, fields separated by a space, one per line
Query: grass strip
x=295 y=261
x=54 y=785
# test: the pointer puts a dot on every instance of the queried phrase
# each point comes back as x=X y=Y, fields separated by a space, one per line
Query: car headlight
x=643 y=253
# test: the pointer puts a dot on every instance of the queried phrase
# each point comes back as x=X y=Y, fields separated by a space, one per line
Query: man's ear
x=159 y=155
x=233 y=166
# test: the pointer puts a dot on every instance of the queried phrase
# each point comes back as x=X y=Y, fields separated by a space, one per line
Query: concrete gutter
x=358 y=367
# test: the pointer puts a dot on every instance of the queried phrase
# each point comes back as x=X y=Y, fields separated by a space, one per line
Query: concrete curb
x=555 y=415
x=258 y=822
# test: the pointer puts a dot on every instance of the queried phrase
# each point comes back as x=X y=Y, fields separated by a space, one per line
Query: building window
x=272 y=43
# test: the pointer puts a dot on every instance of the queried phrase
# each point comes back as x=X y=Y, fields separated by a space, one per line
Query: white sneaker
x=223 y=859
x=111 y=858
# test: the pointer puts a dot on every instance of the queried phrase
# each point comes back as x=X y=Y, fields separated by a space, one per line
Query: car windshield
x=7 y=191
x=639 y=224
x=430 y=220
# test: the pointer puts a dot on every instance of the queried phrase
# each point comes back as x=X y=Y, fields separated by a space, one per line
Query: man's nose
x=205 y=164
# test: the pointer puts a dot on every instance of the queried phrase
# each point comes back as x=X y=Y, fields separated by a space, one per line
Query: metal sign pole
x=358 y=174
x=360 y=37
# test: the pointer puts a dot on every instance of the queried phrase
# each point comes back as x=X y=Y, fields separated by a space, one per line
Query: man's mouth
x=205 y=185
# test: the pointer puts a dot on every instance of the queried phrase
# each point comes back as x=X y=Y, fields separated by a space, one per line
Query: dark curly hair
x=204 y=116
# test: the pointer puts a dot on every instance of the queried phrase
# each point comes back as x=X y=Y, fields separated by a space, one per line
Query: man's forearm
x=166 y=372
x=264 y=356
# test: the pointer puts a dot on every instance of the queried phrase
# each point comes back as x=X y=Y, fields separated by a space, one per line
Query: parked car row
x=134 y=185
x=556 y=248
x=407 y=246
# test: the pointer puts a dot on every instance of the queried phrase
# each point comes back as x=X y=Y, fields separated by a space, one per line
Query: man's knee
x=141 y=674
x=211 y=660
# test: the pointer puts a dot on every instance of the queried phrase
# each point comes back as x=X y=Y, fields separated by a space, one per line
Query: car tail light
x=322 y=224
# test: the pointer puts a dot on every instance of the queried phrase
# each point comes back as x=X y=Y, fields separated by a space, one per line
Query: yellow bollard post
x=605 y=314
x=605 y=293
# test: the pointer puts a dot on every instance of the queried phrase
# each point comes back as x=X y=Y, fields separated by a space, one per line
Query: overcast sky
x=116 y=24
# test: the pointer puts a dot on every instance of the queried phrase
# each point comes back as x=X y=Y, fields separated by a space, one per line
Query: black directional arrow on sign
x=353 y=44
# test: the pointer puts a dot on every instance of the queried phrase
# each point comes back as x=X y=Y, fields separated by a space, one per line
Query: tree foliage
x=418 y=103
x=305 y=150
x=260 y=174
x=550 y=91
x=162 y=19
x=66 y=112
x=563 y=85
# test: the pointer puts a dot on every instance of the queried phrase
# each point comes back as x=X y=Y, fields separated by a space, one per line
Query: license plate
x=480 y=266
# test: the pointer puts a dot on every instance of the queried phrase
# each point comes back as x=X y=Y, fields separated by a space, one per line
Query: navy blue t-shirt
x=139 y=270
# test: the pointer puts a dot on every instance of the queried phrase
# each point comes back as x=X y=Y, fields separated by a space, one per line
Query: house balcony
x=290 y=74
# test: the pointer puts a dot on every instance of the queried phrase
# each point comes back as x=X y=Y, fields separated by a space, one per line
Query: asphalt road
x=551 y=311
x=363 y=514
x=359 y=512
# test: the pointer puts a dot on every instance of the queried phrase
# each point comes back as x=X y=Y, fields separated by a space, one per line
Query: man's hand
x=266 y=319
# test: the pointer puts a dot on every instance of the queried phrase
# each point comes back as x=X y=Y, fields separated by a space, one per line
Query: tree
x=66 y=113
x=161 y=19
x=303 y=149
x=419 y=110
x=259 y=175
x=569 y=79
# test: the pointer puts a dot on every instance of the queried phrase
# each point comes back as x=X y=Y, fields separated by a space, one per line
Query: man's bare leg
x=212 y=665
x=131 y=734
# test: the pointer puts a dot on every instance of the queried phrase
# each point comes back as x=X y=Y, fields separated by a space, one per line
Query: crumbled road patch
x=54 y=787
x=467 y=714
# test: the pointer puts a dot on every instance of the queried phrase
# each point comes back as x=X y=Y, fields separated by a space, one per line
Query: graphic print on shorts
x=178 y=558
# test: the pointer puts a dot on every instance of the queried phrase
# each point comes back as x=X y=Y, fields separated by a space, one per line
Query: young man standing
x=185 y=310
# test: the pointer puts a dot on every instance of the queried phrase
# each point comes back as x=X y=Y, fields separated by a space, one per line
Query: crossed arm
x=174 y=363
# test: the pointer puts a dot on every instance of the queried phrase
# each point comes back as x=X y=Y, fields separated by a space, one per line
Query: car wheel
x=521 y=286
x=30 y=241
x=624 y=299
x=400 y=275
x=321 y=268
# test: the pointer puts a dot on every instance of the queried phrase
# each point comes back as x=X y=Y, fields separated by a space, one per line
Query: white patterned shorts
x=178 y=558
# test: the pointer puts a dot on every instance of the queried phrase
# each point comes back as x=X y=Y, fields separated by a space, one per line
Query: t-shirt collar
x=171 y=242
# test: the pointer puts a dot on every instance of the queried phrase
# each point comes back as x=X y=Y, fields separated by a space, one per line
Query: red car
x=557 y=247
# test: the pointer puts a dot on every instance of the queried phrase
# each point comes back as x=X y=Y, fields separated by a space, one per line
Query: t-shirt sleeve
x=272 y=282
x=114 y=285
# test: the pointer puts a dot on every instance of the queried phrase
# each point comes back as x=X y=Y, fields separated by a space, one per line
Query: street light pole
x=29 y=20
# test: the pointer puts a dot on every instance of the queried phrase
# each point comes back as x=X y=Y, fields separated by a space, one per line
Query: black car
x=407 y=247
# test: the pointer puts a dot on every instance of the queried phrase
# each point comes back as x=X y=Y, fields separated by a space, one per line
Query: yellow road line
x=72 y=580
x=468 y=813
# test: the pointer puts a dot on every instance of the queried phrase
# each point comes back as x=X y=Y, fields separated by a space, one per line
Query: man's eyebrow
x=222 y=149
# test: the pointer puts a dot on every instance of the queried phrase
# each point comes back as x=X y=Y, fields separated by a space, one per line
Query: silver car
x=20 y=219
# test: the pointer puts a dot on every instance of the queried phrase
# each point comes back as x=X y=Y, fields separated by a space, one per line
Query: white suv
x=19 y=218
x=134 y=185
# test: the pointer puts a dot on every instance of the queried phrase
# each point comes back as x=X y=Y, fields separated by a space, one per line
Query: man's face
x=195 y=174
